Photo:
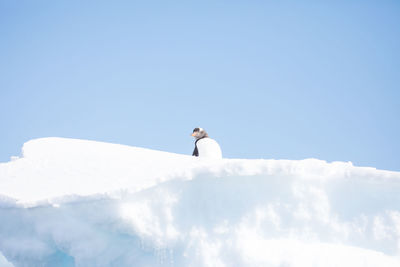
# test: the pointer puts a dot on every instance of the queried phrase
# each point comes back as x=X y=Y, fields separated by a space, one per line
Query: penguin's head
x=199 y=133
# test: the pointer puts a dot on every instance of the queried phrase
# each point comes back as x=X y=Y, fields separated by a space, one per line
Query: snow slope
x=69 y=202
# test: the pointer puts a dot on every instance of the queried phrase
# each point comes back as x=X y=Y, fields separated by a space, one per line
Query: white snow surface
x=69 y=202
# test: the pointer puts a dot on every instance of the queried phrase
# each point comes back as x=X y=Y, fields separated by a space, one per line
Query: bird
x=205 y=147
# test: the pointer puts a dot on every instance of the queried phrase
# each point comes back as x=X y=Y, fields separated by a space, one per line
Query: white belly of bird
x=209 y=148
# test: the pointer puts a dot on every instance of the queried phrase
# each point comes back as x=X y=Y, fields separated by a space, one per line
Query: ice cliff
x=69 y=202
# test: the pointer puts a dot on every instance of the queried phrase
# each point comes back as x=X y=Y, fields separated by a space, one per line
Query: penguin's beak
x=193 y=134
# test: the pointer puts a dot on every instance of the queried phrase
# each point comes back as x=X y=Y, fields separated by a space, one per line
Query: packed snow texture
x=71 y=202
x=4 y=262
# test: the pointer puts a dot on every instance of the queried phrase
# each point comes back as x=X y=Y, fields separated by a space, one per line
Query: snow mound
x=69 y=202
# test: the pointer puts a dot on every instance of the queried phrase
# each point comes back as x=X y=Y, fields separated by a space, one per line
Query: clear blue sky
x=285 y=80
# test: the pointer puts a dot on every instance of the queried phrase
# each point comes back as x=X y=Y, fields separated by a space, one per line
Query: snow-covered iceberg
x=69 y=202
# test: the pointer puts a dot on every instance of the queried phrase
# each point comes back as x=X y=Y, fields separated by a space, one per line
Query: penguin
x=205 y=147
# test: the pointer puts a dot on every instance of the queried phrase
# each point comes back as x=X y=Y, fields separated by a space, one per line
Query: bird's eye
x=196 y=130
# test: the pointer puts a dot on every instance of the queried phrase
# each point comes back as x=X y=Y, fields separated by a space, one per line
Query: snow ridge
x=69 y=202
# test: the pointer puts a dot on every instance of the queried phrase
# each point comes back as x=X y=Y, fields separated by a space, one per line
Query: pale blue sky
x=283 y=80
